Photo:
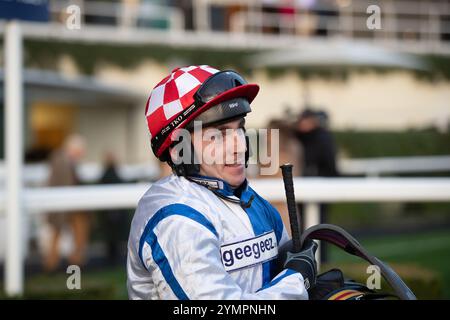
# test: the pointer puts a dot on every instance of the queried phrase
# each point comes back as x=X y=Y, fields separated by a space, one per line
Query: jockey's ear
x=175 y=154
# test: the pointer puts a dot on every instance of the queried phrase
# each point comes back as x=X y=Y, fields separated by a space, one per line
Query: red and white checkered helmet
x=188 y=92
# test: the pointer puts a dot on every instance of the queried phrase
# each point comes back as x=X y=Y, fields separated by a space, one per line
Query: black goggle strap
x=159 y=138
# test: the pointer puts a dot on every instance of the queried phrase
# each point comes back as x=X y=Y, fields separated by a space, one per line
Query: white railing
x=307 y=190
x=38 y=174
x=425 y=18
x=393 y=165
x=115 y=196
x=413 y=26
x=121 y=14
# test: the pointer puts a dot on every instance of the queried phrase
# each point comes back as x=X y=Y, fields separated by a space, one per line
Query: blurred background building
x=377 y=73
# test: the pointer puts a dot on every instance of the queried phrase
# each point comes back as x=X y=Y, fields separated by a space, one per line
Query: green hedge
x=45 y=54
x=367 y=144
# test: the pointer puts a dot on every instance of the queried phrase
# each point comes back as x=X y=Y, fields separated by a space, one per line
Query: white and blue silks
x=188 y=243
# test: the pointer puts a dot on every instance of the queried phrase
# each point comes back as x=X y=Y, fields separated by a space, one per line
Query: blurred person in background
x=187 y=10
x=287 y=12
x=151 y=14
x=319 y=149
x=270 y=12
x=325 y=12
x=290 y=151
x=95 y=17
x=114 y=222
x=129 y=13
x=233 y=10
x=63 y=163
x=318 y=144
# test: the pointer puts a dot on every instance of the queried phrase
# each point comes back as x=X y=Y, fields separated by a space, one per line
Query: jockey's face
x=222 y=151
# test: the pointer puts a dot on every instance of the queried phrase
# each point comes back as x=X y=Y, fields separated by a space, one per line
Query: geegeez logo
x=249 y=252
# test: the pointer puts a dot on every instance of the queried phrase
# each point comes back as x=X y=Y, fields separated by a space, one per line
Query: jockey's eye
x=231 y=132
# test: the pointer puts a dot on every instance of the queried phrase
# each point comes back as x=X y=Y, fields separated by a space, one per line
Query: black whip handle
x=286 y=170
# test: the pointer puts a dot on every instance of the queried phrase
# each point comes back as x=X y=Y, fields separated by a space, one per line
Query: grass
x=430 y=250
x=107 y=283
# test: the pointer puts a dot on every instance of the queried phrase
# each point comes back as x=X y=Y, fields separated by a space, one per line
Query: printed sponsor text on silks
x=249 y=252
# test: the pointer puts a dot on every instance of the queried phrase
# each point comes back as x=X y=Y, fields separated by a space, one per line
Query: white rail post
x=13 y=158
x=312 y=218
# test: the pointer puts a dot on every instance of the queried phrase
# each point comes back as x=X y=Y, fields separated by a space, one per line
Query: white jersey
x=186 y=242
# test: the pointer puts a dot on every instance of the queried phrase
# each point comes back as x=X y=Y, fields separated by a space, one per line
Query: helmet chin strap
x=214 y=190
x=214 y=187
